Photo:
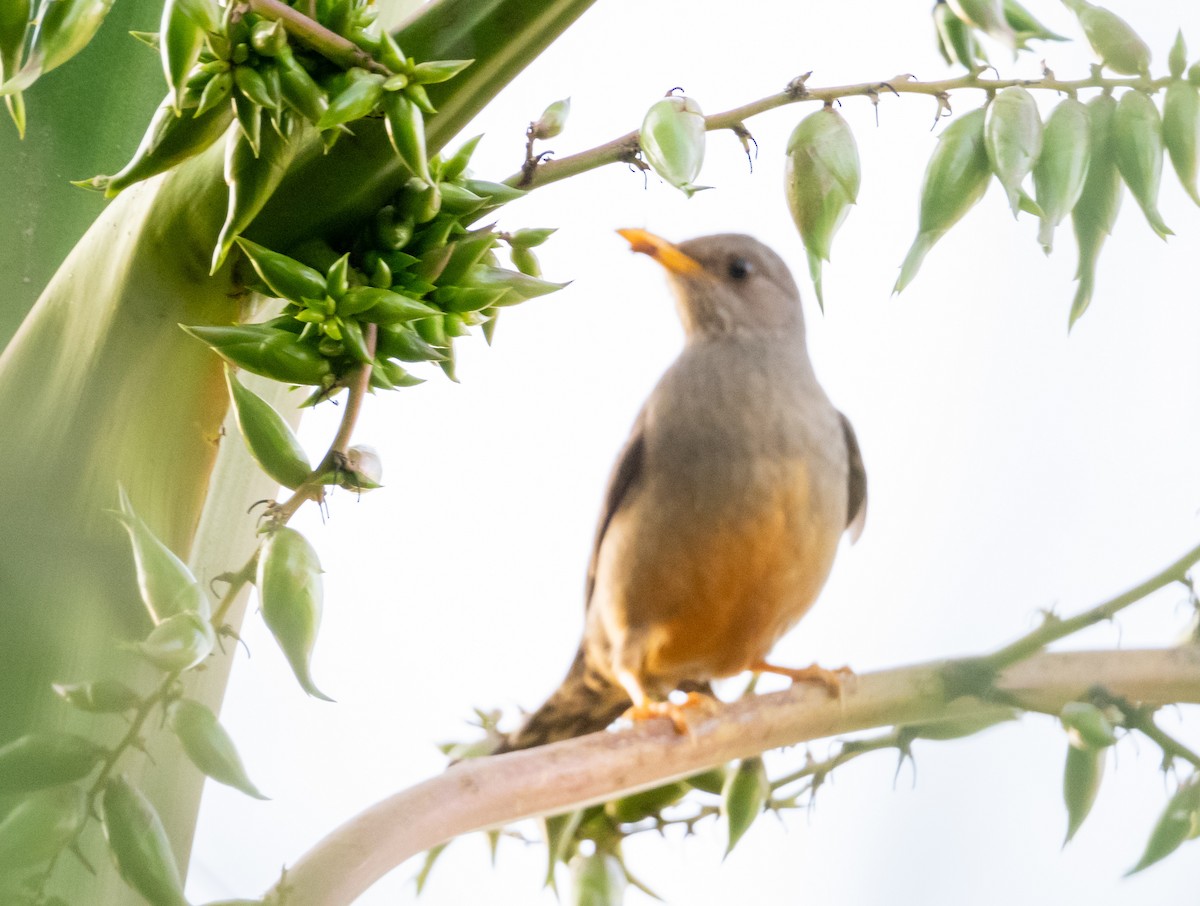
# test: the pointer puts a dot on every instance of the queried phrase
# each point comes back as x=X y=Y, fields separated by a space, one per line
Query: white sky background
x=1011 y=468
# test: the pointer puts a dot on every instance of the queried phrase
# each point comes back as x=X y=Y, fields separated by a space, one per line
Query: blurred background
x=1012 y=469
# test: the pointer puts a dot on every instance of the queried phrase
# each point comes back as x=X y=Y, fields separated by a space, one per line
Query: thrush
x=726 y=506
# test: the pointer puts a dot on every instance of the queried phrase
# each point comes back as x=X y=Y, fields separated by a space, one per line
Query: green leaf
x=166 y=584
x=209 y=746
x=139 y=844
x=39 y=760
x=745 y=793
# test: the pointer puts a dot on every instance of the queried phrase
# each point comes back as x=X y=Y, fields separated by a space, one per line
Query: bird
x=725 y=507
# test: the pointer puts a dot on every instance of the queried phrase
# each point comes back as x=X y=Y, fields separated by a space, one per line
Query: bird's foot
x=832 y=680
x=675 y=712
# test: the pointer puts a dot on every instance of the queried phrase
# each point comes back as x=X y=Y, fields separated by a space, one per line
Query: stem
x=334 y=459
x=1054 y=628
x=819 y=770
x=626 y=147
x=237 y=582
x=491 y=792
x=1142 y=720
x=129 y=740
x=316 y=36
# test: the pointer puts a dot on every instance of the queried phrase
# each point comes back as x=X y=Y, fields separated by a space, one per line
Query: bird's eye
x=740 y=268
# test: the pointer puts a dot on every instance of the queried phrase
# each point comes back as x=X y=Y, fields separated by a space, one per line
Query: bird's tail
x=585 y=702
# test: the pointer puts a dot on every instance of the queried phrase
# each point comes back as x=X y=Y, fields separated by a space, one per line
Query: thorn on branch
x=943 y=109
x=744 y=136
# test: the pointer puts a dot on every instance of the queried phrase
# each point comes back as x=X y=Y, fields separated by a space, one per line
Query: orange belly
x=707 y=599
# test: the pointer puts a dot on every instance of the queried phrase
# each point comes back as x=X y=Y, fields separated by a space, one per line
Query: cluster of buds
x=226 y=63
x=416 y=276
x=1081 y=159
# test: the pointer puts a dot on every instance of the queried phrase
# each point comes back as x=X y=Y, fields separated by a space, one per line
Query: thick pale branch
x=490 y=792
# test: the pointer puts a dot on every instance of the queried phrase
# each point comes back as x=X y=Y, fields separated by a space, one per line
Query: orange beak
x=661 y=251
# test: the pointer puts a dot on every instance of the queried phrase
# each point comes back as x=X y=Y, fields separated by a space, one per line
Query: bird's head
x=725 y=283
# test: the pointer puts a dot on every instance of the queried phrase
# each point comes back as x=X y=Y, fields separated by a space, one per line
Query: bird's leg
x=830 y=679
x=646 y=708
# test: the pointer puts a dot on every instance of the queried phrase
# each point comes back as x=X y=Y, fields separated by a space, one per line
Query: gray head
x=726 y=283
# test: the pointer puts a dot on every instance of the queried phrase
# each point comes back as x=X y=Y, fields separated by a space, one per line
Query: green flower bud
x=1138 y=147
x=388 y=375
x=401 y=341
x=216 y=91
x=530 y=238
x=956 y=41
x=1026 y=26
x=39 y=827
x=459 y=200
x=249 y=120
x=39 y=760
x=436 y=71
x=1086 y=725
x=639 y=806
x=1114 y=40
x=1177 y=823
x=1013 y=137
x=252 y=176
x=362 y=92
x=277 y=354
x=742 y=798
x=167 y=586
x=1181 y=132
x=955 y=179
x=284 y=276
x=597 y=880
x=138 y=843
x=382 y=306
x=525 y=261
x=169 y=140
x=268 y=37
x=456 y=165
x=822 y=176
x=268 y=437
x=1061 y=168
x=1081 y=783
x=208 y=745
x=1177 y=59
x=1096 y=211
x=987 y=16
x=406 y=132
x=180 y=42
x=289 y=588
x=519 y=286
x=99 y=696
x=552 y=121
x=178 y=643
x=497 y=193
x=672 y=141
x=252 y=85
x=300 y=91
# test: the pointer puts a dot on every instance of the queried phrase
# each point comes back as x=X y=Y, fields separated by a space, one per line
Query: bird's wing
x=856 y=512
x=625 y=476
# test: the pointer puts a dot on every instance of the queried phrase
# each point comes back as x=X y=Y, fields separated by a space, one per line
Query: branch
x=627 y=146
x=494 y=791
